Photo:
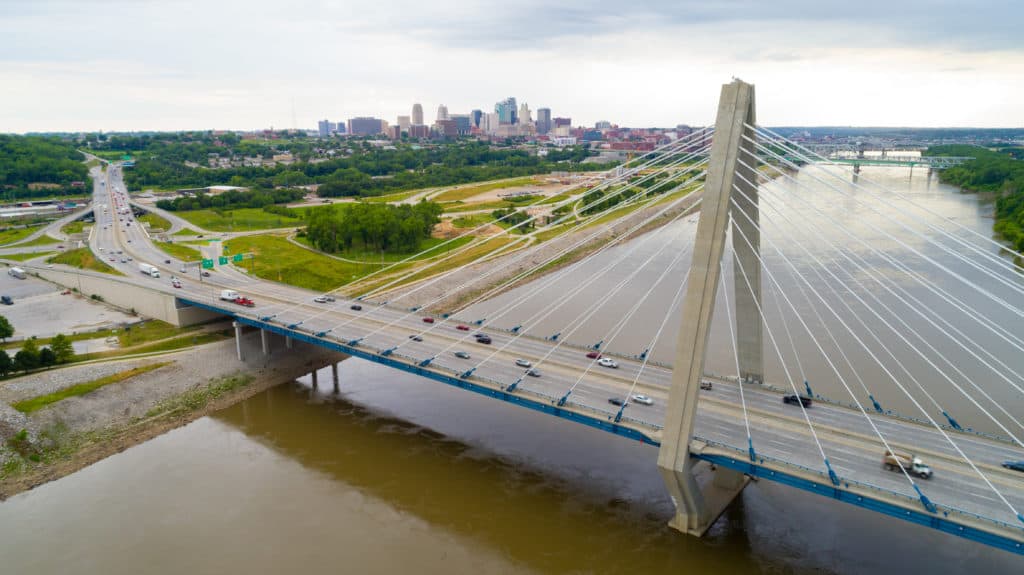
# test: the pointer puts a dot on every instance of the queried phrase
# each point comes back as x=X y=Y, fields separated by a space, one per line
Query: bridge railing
x=946 y=510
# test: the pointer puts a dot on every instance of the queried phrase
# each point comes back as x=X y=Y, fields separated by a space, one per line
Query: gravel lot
x=39 y=310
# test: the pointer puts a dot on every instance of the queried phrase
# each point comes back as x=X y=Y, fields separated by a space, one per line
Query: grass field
x=43 y=240
x=180 y=251
x=39 y=402
x=456 y=207
x=149 y=331
x=468 y=191
x=184 y=232
x=25 y=256
x=472 y=220
x=84 y=259
x=75 y=227
x=155 y=222
x=391 y=197
x=10 y=235
x=238 y=220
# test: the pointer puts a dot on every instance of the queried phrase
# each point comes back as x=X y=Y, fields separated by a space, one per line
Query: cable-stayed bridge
x=901 y=326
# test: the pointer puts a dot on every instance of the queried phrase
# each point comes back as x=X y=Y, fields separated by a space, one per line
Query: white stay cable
x=638 y=199
x=736 y=357
x=785 y=368
x=618 y=326
x=551 y=308
x=969 y=311
x=785 y=325
x=864 y=267
x=872 y=333
x=815 y=158
x=1002 y=302
x=548 y=281
x=527 y=253
x=676 y=149
x=884 y=368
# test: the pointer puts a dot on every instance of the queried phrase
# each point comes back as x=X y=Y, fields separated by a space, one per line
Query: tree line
x=26 y=160
x=232 y=199
x=998 y=172
x=31 y=356
x=393 y=229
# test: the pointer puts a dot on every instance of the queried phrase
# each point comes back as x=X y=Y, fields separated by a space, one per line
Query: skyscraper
x=506 y=110
x=417 y=115
x=524 y=115
x=477 y=116
x=442 y=113
x=403 y=123
x=323 y=128
x=543 y=120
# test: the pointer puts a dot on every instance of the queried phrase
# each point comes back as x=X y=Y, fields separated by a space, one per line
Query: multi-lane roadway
x=778 y=430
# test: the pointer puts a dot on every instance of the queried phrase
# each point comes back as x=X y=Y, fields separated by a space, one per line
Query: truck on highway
x=16 y=273
x=228 y=295
x=149 y=270
x=913 y=465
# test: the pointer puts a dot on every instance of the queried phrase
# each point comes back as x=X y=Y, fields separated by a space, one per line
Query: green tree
x=62 y=349
x=47 y=358
x=6 y=363
x=6 y=329
x=27 y=357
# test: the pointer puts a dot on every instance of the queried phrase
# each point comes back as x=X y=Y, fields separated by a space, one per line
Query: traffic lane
x=920 y=436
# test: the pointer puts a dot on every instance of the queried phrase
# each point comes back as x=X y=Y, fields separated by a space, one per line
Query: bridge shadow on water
x=527 y=514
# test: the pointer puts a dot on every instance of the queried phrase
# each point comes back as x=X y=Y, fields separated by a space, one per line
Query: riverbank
x=75 y=432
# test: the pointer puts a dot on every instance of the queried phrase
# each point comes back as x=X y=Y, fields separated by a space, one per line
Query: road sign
x=222 y=260
x=236 y=258
x=208 y=264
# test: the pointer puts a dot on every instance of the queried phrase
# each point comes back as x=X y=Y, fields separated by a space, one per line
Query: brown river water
x=398 y=474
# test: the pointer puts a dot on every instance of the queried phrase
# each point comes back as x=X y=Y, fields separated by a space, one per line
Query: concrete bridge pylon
x=701 y=495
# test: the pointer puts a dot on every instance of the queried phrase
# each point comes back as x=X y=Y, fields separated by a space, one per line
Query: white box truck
x=149 y=270
x=16 y=273
x=228 y=295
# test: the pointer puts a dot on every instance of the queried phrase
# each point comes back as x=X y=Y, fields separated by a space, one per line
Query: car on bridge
x=320 y=299
x=462 y=327
x=615 y=401
x=244 y=301
x=175 y=282
x=415 y=337
x=608 y=362
x=705 y=385
x=642 y=399
x=1014 y=465
x=797 y=400
x=428 y=320
x=355 y=307
x=533 y=372
x=594 y=355
x=462 y=354
x=523 y=363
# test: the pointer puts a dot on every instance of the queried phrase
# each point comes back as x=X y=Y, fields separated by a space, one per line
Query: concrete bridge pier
x=265 y=341
x=238 y=339
x=699 y=492
x=287 y=342
x=334 y=374
x=313 y=377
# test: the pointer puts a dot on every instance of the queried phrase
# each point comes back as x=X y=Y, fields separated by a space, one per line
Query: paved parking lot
x=40 y=310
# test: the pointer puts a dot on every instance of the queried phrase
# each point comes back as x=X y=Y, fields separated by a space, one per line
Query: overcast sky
x=69 y=65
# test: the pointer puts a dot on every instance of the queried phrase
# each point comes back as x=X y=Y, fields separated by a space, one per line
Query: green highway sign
x=208 y=263
x=236 y=258
x=222 y=260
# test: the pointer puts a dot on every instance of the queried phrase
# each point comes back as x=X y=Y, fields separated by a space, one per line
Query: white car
x=607 y=362
x=643 y=400
x=320 y=299
x=523 y=363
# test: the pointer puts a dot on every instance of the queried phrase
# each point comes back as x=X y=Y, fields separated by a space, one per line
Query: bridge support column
x=699 y=504
x=313 y=377
x=265 y=341
x=334 y=374
x=288 y=342
x=238 y=339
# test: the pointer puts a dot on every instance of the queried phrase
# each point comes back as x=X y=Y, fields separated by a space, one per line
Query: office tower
x=543 y=120
x=506 y=110
x=417 y=115
x=442 y=113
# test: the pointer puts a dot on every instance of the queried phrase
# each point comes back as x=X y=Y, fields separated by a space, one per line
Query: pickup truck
x=242 y=300
x=913 y=465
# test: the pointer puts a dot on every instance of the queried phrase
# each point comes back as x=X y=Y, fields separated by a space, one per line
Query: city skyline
x=107 y=65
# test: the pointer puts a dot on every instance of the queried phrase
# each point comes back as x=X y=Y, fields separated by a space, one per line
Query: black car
x=1012 y=465
x=415 y=338
x=614 y=401
x=795 y=399
x=356 y=307
x=6 y=300
x=484 y=340
x=167 y=261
